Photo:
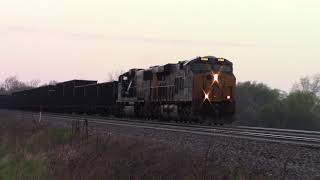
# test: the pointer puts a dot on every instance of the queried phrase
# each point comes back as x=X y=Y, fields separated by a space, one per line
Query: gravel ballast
x=270 y=159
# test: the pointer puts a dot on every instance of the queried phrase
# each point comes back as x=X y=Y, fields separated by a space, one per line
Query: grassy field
x=25 y=150
x=39 y=151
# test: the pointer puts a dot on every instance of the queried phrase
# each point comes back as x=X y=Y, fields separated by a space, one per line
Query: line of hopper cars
x=200 y=89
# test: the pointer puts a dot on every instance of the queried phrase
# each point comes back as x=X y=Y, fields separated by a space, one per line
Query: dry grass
x=33 y=151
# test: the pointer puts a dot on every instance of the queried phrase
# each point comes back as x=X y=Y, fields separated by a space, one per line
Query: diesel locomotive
x=199 y=89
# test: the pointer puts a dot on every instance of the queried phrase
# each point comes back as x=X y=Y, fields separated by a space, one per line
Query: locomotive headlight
x=206 y=96
x=228 y=97
x=215 y=77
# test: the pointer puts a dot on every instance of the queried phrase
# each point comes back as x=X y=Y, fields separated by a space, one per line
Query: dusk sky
x=275 y=42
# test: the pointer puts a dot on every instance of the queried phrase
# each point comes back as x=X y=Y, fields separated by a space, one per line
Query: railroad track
x=297 y=137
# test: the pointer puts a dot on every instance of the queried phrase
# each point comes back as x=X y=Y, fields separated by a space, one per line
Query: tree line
x=260 y=105
x=257 y=103
x=13 y=84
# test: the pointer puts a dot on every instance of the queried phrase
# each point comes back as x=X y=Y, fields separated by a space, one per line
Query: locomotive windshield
x=207 y=64
x=222 y=68
x=201 y=68
x=206 y=67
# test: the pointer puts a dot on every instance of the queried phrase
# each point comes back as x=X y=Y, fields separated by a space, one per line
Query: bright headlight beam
x=206 y=96
x=215 y=77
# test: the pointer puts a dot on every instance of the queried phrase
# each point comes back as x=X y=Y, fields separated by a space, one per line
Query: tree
x=298 y=111
x=53 y=82
x=114 y=75
x=308 y=84
x=2 y=90
x=12 y=84
x=259 y=105
x=252 y=97
x=33 y=83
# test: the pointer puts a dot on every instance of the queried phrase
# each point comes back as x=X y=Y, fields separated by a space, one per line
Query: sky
x=275 y=42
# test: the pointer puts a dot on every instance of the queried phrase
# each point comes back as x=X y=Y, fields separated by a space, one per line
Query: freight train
x=199 y=90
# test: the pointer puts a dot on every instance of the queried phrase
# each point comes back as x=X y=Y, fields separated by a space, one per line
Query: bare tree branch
x=114 y=75
x=33 y=83
x=12 y=84
x=308 y=84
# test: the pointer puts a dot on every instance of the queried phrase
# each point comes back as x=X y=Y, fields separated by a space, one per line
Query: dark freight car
x=65 y=92
x=96 y=98
x=20 y=100
x=4 y=101
x=85 y=98
x=60 y=97
x=48 y=97
x=33 y=99
x=107 y=93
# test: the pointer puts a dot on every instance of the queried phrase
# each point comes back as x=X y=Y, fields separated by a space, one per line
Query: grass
x=24 y=152
x=29 y=151
x=48 y=138
x=19 y=166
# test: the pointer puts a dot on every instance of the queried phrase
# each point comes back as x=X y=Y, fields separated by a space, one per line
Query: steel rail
x=297 y=137
x=288 y=132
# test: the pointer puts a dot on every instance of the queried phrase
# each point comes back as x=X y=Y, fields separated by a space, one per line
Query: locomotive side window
x=226 y=68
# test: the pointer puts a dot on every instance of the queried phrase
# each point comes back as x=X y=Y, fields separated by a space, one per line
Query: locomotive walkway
x=296 y=137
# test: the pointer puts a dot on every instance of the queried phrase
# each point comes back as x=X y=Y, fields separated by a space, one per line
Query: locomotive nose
x=210 y=108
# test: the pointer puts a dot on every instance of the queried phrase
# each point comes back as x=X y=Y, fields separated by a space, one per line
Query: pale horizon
x=268 y=41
